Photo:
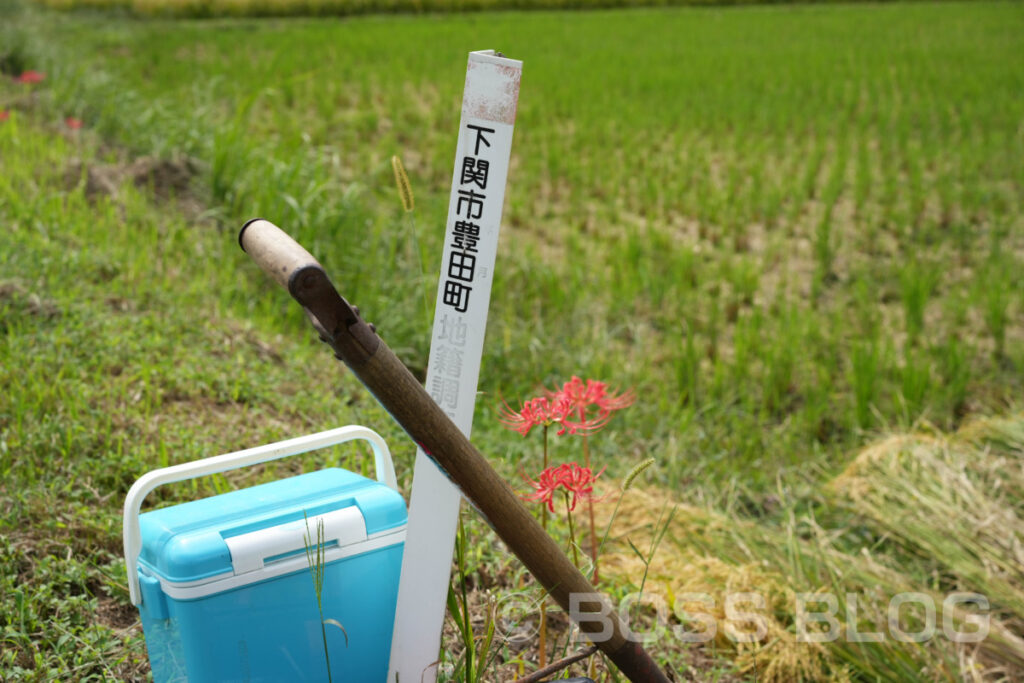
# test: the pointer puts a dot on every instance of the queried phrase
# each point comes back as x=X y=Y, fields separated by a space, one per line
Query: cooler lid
x=236 y=532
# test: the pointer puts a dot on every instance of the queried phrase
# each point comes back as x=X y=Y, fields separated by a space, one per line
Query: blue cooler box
x=224 y=586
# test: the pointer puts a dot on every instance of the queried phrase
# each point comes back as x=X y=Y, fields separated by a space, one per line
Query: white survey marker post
x=460 y=318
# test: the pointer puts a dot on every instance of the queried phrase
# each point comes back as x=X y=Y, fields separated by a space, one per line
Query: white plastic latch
x=250 y=551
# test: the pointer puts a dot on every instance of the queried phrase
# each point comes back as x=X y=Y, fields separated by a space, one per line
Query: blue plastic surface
x=186 y=542
x=269 y=630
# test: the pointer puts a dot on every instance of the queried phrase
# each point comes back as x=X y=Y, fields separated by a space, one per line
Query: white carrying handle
x=222 y=463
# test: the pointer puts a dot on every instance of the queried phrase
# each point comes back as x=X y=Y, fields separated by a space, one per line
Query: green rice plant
x=824 y=253
x=687 y=368
x=955 y=371
x=812 y=168
x=917 y=283
x=915 y=383
x=781 y=352
x=865 y=375
x=995 y=298
x=863 y=180
x=744 y=276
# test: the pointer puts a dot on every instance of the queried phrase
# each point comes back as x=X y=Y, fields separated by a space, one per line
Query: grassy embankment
x=790 y=229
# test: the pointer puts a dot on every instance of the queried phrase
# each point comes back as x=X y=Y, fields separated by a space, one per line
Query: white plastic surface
x=489 y=104
x=341 y=527
x=385 y=470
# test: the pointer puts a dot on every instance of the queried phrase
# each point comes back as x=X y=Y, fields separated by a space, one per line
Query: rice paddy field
x=795 y=232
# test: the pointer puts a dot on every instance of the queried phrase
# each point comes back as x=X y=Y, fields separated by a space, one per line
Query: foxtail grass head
x=403 y=184
x=636 y=472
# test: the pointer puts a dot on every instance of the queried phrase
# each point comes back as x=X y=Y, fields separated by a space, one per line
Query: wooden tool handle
x=274 y=251
x=295 y=269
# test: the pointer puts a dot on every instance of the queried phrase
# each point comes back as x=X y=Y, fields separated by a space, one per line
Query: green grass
x=790 y=229
x=764 y=196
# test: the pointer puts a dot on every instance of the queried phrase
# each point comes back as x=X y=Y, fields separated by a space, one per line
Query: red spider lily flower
x=580 y=482
x=594 y=395
x=548 y=410
x=545 y=486
x=537 y=412
x=575 y=480
x=4 y=114
x=581 y=424
x=30 y=77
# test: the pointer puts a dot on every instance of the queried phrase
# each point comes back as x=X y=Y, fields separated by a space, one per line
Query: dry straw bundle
x=928 y=514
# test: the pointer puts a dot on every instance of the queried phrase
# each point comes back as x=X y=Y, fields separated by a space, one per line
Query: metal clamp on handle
x=383 y=465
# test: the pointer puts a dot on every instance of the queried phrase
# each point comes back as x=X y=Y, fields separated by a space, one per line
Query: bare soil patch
x=168 y=179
